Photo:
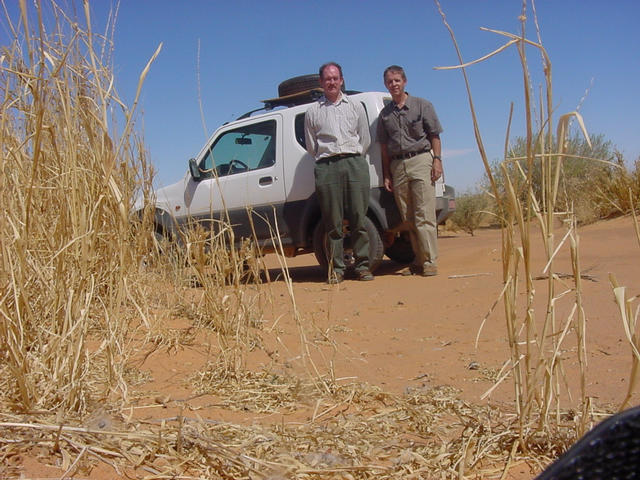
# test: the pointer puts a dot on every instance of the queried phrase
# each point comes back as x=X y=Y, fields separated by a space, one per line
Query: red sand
x=398 y=332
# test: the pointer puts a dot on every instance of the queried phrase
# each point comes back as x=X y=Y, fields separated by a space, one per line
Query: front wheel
x=376 y=248
x=400 y=250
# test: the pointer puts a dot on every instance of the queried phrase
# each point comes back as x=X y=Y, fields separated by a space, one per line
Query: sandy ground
x=402 y=332
x=397 y=331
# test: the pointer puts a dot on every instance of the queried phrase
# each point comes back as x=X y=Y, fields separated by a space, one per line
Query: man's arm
x=386 y=169
x=433 y=128
x=436 y=147
x=363 y=129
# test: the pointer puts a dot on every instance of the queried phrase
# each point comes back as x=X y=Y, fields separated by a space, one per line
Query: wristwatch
x=438 y=157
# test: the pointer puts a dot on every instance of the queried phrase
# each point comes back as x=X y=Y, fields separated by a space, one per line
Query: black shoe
x=411 y=270
x=365 y=275
x=609 y=451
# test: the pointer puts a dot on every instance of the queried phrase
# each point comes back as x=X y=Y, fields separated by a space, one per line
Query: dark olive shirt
x=407 y=129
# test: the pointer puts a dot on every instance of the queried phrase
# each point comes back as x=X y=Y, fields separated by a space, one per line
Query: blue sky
x=248 y=47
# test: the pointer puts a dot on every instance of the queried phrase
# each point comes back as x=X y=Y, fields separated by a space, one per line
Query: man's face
x=394 y=83
x=331 y=82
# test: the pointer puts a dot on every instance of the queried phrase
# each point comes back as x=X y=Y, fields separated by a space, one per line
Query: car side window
x=246 y=148
x=299 y=128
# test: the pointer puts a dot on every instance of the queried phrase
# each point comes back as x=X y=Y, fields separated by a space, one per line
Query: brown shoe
x=335 y=278
x=429 y=271
x=365 y=276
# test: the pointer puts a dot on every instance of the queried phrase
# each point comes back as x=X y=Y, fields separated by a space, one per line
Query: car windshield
x=246 y=148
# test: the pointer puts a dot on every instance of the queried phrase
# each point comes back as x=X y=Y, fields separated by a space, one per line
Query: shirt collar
x=343 y=98
x=406 y=103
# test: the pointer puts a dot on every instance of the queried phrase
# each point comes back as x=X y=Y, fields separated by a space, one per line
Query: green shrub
x=471 y=210
x=594 y=181
x=617 y=191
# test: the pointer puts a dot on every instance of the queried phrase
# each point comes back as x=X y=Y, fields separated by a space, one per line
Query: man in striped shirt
x=337 y=136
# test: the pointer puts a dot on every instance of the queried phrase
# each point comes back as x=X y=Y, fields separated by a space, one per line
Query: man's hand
x=388 y=184
x=436 y=169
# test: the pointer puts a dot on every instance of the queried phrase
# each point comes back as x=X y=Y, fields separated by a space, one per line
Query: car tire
x=299 y=84
x=376 y=247
x=159 y=240
x=400 y=251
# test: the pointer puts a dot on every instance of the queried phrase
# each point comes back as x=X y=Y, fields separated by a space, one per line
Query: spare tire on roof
x=299 y=84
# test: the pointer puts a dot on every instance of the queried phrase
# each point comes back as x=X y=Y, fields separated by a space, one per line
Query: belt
x=399 y=156
x=337 y=156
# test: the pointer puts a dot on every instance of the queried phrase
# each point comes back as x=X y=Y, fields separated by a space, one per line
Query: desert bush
x=613 y=193
x=593 y=182
x=471 y=210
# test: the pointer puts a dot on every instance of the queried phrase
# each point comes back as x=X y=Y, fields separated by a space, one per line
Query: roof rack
x=299 y=98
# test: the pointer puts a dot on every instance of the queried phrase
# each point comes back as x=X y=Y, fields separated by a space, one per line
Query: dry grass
x=537 y=338
x=358 y=432
x=67 y=245
x=79 y=275
x=80 y=308
x=629 y=317
x=535 y=341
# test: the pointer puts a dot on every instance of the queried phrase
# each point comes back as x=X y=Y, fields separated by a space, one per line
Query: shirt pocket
x=349 y=125
x=416 y=128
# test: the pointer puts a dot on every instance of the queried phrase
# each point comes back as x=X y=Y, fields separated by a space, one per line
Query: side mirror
x=193 y=169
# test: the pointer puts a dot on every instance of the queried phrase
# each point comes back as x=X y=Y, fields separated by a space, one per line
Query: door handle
x=266 y=181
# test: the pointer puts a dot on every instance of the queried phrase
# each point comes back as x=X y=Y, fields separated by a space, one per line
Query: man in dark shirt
x=409 y=136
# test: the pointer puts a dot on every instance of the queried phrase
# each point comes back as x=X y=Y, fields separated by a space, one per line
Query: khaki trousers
x=415 y=196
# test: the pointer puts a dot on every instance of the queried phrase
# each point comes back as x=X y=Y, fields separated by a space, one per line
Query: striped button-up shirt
x=336 y=128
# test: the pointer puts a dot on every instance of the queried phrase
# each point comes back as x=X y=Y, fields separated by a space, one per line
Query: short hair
x=329 y=64
x=394 y=69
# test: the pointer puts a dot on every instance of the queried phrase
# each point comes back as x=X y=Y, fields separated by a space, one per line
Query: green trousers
x=342 y=187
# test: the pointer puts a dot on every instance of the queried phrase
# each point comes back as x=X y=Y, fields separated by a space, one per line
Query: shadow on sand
x=315 y=273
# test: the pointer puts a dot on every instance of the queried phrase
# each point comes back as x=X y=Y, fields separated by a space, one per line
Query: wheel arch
x=302 y=218
x=164 y=223
x=377 y=214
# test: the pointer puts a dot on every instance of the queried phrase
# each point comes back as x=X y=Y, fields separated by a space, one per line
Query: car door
x=242 y=175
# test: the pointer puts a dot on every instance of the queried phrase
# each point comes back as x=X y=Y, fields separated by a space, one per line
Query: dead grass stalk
x=535 y=341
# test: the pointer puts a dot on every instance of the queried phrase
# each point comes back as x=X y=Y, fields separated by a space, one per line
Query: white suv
x=257 y=166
